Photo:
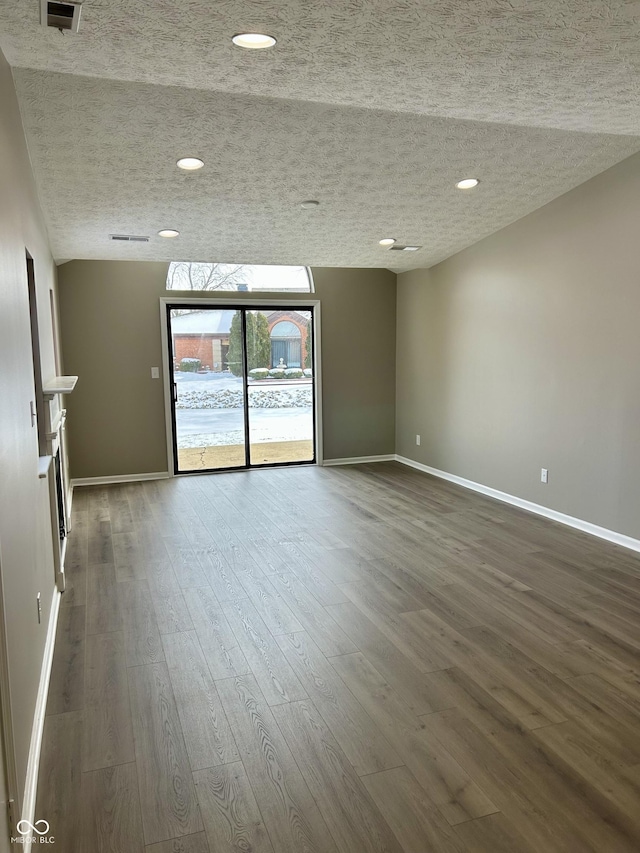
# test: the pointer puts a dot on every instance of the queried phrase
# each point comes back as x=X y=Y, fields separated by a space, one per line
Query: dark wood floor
x=349 y=659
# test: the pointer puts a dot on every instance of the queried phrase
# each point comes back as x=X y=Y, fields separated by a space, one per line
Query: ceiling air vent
x=404 y=248
x=63 y=16
x=129 y=238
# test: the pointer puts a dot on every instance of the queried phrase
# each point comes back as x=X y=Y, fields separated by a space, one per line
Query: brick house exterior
x=208 y=349
x=298 y=320
x=212 y=345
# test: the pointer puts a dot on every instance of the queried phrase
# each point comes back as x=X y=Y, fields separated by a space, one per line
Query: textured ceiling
x=104 y=155
x=572 y=64
x=375 y=108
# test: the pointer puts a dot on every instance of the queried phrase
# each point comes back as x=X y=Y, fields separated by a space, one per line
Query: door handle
x=175 y=392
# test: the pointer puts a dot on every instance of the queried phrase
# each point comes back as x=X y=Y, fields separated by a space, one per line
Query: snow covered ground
x=216 y=427
x=233 y=398
x=225 y=391
x=209 y=411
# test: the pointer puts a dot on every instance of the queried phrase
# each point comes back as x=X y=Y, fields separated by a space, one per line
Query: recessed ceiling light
x=411 y=248
x=253 y=41
x=190 y=163
x=168 y=232
x=387 y=241
x=467 y=184
x=311 y=204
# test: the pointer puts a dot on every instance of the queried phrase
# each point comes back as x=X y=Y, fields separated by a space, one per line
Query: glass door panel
x=207 y=364
x=280 y=386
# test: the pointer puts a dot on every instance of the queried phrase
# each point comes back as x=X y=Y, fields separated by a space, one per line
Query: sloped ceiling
x=373 y=108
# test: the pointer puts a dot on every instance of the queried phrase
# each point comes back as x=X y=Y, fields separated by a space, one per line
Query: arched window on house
x=286 y=344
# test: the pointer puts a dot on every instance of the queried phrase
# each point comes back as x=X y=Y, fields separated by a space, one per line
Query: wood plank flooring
x=362 y=659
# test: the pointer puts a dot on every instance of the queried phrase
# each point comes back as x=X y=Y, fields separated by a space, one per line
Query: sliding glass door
x=280 y=400
x=242 y=384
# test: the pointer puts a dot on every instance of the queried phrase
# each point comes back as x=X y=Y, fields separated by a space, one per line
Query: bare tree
x=188 y=275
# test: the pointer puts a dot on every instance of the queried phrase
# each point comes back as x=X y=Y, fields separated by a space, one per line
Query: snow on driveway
x=219 y=427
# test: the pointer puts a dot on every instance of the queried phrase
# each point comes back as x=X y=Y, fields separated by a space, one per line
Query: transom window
x=192 y=275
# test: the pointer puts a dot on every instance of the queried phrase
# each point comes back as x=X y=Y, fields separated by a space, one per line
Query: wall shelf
x=57 y=424
x=59 y=385
x=44 y=463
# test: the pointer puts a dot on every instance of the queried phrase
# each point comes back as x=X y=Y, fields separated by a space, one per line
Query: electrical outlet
x=418 y=440
x=544 y=475
x=155 y=373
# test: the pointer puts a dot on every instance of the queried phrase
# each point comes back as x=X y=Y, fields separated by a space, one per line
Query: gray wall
x=523 y=352
x=26 y=557
x=110 y=329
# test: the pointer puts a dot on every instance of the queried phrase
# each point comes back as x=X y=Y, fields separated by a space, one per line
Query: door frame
x=239 y=302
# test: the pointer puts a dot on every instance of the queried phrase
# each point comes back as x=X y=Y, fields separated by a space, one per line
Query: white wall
x=26 y=552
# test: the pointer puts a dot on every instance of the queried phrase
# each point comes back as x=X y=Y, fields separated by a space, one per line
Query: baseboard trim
x=359 y=460
x=33 y=762
x=119 y=478
x=577 y=523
